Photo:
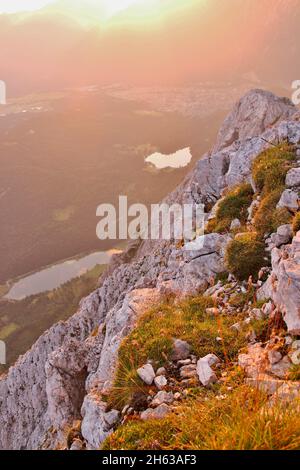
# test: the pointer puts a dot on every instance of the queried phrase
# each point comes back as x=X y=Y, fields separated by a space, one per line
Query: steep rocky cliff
x=65 y=374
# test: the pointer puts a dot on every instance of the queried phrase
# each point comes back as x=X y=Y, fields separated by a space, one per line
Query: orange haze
x=207 y=40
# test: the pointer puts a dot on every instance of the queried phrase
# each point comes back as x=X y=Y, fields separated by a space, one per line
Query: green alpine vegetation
x=234 y=205
x=245 y=255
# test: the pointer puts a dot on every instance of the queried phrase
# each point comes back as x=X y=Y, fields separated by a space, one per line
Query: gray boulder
x=97 y=422
x=119 y=321
x=283 y=236
x=161 y=371
x=205 y=373
x=289 y=200
x=287 y=393
x=162 y=397
x=146 y=373
x=265 y=383
x=281 y=368
x=235 y=224
x=254 y=362
x=211 y=359
x=160 y=382
x=181 y=350
x=188 y=371
x=293 y=178
x=295 y=357
x=274 y=357
x=157 y=413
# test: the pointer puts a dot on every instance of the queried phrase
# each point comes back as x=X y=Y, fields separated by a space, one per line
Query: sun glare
x=107 y=7
x=110 y=12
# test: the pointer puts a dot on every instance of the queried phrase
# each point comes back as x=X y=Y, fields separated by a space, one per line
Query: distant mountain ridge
x=54 y=46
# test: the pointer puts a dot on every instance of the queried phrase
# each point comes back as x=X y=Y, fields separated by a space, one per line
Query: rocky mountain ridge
x=65 y=375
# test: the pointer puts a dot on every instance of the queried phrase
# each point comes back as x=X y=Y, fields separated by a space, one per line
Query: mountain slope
x=71 y=371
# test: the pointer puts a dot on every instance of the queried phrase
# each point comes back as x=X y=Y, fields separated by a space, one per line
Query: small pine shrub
x=269 y=169
x=245 y=256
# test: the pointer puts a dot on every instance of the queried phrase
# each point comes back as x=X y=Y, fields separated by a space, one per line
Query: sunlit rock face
x=252 y=115
x=62 y=377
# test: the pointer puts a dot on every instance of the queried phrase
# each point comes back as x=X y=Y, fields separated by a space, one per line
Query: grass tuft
x=245 y=256
x=295 y=372
x=233 y=206
x=267 y=218
x=269 y=169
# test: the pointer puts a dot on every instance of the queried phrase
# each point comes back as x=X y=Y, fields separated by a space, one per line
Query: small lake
x=179 y=159
x=54 y=276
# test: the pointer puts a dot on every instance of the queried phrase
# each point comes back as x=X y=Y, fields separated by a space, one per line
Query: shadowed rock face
x=61 y=378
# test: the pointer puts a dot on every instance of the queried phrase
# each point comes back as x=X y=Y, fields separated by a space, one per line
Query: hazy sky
x=18 y=5
x=111 y=6
x=80 y=42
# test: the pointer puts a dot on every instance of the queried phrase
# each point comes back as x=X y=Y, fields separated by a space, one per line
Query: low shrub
x=245 y=256
x=233 y=206
x=269 y=169
x=267 y=218
x=222 y=226
x=281 y=217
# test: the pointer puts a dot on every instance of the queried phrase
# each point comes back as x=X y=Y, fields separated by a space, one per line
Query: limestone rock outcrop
x=252 y=115
x=97 y=422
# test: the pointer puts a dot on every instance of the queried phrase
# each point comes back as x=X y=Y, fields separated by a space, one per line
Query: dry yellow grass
x=241 y=421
